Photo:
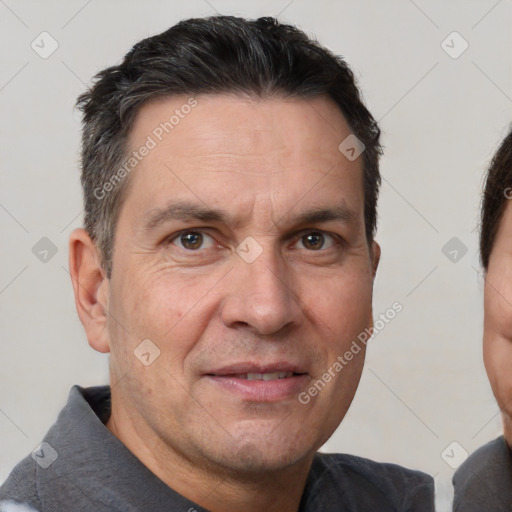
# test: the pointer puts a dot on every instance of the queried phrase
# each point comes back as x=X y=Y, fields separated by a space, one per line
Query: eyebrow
x=182 y=211
x=189 y=211
x=318 y=215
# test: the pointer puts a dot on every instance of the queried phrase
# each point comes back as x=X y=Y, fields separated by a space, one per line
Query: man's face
x=498 y=319
x=240 y=250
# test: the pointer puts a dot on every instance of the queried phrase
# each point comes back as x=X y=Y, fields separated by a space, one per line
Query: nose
x=261 y=295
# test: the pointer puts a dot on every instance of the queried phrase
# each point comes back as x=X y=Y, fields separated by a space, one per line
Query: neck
x=215 y=488
x=507 y=429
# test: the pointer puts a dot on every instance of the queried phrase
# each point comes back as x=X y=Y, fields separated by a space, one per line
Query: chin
x=257 y=456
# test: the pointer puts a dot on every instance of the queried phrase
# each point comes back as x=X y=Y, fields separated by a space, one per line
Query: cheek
x=497 y=346
x=170 y=313
x=173 y=312
x=342 y=305
x=498 y=364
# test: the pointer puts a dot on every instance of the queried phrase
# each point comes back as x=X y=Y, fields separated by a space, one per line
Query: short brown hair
x=497 y=192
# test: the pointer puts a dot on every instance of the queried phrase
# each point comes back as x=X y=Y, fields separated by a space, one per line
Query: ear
x=375 y=258
x=91 y=288
x=375 y=255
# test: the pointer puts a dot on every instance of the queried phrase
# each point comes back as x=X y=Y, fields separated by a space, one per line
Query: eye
x=193 y=240
x=315 y=240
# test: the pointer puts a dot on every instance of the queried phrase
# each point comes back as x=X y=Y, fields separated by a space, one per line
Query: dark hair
x=497 y=192
x=207 y=56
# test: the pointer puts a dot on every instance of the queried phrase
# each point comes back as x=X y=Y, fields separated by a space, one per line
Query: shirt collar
x=96 y=466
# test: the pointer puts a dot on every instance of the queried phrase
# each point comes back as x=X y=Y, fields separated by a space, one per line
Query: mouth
x=257 y=383
x=265 y=376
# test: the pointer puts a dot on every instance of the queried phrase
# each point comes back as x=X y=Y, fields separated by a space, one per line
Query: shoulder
x=379 y=474
x=483 y=459
x=484 y=479
x=370 y=469
x=28 y=483
x=19 y=491
x=361 y=482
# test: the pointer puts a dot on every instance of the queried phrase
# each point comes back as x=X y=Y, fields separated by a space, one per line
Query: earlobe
x=91 y=288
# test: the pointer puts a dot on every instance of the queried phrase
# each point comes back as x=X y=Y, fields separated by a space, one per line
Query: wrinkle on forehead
x=274 y=155
x=233 y=126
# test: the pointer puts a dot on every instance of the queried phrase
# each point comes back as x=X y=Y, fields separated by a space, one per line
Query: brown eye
x=313 y=241
x=193 y=240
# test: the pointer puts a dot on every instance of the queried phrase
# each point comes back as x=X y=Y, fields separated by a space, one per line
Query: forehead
x=228 y=149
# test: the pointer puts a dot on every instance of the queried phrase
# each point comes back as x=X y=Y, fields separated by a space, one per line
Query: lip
x=260 y=390
x=249 y=367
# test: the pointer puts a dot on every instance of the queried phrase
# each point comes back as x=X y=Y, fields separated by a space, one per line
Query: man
x=484 y=481
x=230 y=174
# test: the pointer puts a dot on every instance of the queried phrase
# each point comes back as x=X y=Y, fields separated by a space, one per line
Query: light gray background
x=424 y=385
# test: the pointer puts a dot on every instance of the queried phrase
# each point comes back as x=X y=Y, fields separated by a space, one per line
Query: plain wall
x=424 y=384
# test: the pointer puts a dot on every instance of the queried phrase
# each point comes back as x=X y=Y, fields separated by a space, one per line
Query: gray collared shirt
x=82 y=467
x=484 y=482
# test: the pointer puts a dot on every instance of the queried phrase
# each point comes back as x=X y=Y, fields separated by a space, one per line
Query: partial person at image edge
x=484 y=481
